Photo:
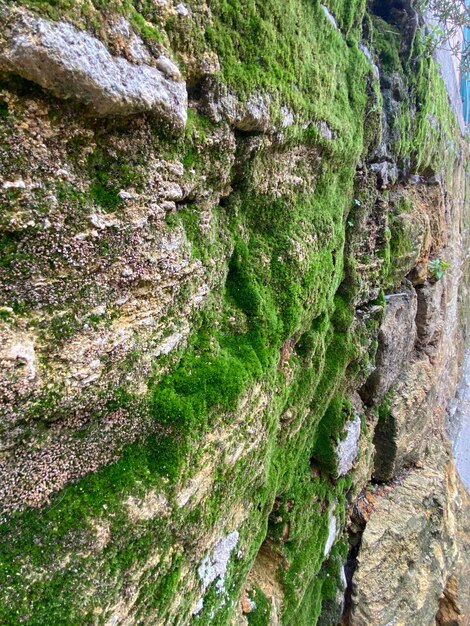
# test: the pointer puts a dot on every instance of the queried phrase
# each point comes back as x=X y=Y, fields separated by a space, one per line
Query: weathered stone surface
x=348 y=447
x=184 y=319
x=396 y=340
x=415 y=548
x=387 y=173
x=406 y=420
x=254 y=115
x=250 y=116
x=430 y=316
x=73 y=64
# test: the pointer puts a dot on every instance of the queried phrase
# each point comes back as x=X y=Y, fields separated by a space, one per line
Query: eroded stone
x=73 y=64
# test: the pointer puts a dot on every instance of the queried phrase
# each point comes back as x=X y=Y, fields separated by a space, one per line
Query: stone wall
x=231 y=317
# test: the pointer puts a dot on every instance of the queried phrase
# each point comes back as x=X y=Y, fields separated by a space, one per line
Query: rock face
x=414 y=558
x=397 y=337
x=73 y=64
x=225 y=355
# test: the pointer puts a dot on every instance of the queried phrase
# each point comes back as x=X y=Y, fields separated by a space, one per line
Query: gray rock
x=254 y=115
x=325 y=130
x=72 y=63
x=287 y=117
x=347 y=448
x=136 y=50
x=387 y=173
x=219 y=105
x=397 y=336
x=182 y=10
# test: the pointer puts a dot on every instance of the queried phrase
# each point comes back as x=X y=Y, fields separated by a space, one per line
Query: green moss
x=424 y=140
x=349 y=13
x=89 y=14
x=279 y=320
x=3 y=109
x=386 y=40
x=109 y=175
x=261 y=613
x=435 y=137
x=328 y=433
x=385 y=439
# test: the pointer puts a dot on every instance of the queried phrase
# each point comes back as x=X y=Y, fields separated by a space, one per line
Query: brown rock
x=414 y=560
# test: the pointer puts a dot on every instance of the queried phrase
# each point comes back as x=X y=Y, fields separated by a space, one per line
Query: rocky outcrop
x=414 y=558
x=397 y=336
x=222 y=349
x=73 y=64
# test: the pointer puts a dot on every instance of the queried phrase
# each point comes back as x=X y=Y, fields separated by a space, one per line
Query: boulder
x=73 y=64
x=413 y=564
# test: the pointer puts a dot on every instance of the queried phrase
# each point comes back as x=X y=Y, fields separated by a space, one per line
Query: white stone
x=169 y=344
x=24 y=352
x=332 y=531
x=182 y=9
x=72 y=63
x=214 y=566
x=171 y=191
x=328 y=16
x=102 y=220
x=347 y=448
x=287 y=117
x=125 y=195
x=99 y=310
x=15 y=184
x=199 y=606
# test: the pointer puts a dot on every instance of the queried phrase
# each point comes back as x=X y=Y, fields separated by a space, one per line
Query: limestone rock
x=254 y=116
x=415 y=548
x=251 y=116
x=347 y=448
x=407 y=422
x=387 y=173
x=214 y=566
x=429 y=319
x=72 y=63
x=396 y=340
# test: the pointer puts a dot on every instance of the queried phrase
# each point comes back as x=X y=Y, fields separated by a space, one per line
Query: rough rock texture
x=204 y=354
x=73 y=64
x=348 y=447
x=397 y=336
x=414 y=557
